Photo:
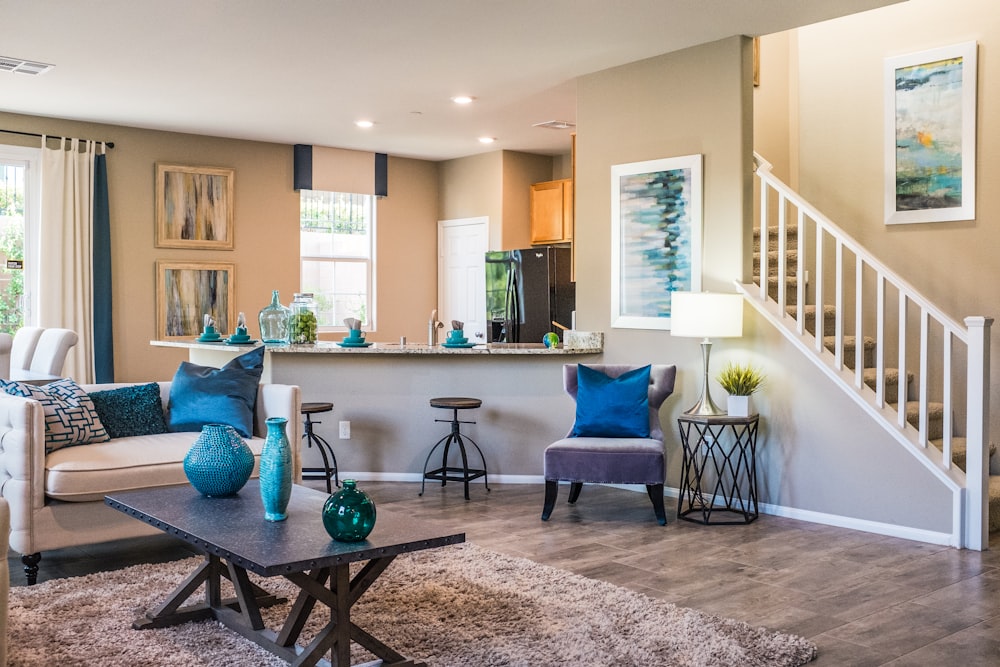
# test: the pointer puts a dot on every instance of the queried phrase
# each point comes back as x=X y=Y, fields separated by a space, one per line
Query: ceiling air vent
x=18 y=66
x=556 y=125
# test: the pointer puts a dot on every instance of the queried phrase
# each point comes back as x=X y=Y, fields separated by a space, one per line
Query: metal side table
x=718 y=473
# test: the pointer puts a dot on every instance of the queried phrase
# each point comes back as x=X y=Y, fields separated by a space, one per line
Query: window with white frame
x=19 y=220
x=337 y=255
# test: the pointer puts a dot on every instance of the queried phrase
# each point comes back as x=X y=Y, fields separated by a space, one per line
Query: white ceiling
x=302 y=71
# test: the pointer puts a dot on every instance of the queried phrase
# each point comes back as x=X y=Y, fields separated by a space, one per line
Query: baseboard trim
x=863 y=525
x=416 y=477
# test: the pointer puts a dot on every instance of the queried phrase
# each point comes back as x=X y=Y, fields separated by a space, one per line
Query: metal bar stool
x=465 y=474
x=329 y=469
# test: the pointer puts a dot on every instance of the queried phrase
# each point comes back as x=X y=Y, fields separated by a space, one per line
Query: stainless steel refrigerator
x=525 y=291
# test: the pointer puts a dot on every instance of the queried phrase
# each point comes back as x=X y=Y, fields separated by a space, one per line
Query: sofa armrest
x=22 y=463
x=282 y=400
x=4 y=579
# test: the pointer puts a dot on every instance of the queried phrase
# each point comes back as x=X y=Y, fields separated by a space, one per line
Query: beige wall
x=817 y=451
x=840 y=146
x=266 y=232
x=520 y=170
x=471 y=187
x=495 y=185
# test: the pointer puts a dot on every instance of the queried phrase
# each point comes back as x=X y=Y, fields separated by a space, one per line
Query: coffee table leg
x=250 y=598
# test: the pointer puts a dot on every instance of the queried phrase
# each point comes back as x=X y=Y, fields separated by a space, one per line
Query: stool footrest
x=455 y=474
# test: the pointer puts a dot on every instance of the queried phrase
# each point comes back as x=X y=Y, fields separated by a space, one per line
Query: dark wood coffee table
x=235 y=539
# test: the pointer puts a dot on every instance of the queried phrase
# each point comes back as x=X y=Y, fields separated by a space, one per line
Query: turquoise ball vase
x=219 y=462
x=349 y=514
x=276 y=470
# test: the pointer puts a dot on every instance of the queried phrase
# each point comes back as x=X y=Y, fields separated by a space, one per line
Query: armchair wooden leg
x=551 y=493
x=574 y=491
x=655 y=492
x=31 y=567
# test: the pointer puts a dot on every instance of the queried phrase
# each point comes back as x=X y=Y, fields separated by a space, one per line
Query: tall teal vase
x=276 y=471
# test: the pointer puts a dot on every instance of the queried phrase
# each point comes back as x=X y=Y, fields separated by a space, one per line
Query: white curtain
x=65 y=276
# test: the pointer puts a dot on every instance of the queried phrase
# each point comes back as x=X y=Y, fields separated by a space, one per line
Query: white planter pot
x=738 y=406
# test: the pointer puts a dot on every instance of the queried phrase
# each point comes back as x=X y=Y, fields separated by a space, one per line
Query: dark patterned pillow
x=70 y=417
x=131 y=410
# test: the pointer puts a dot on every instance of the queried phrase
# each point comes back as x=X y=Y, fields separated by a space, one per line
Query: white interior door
x=462 y=247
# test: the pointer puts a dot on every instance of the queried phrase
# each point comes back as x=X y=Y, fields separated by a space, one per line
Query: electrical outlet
x=345 y=430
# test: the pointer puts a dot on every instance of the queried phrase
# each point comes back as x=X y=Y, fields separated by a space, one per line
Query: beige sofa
x=4 y=580
x=57 y=499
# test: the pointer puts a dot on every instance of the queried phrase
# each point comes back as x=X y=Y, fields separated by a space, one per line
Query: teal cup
x=356 y=336
x=456 y=336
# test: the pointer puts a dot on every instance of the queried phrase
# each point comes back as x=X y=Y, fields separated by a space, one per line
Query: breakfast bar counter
x=384 y=391
x=328 y=347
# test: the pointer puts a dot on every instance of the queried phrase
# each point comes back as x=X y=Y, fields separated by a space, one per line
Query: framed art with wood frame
x=187 y=291
x=656 y=236
x=194 y=207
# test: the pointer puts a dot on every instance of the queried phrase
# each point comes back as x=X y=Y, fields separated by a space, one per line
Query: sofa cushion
x=202 y=395
x=70 y=417
x=88 y=473
x=131 y=410
x=609 y=407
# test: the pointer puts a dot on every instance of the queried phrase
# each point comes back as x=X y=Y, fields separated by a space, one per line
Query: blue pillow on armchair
x=202 y=395
x=609 y=407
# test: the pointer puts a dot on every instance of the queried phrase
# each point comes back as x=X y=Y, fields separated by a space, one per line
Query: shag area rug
x=461 y=605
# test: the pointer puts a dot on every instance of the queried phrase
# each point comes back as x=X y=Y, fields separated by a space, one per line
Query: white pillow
x=70 y=417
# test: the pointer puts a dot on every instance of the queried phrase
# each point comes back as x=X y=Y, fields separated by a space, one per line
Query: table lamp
x=706 y=315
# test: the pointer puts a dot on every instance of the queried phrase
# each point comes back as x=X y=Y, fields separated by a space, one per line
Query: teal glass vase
x=274 y=320
x=276 y=470
x=349 y=514
x=219 y=462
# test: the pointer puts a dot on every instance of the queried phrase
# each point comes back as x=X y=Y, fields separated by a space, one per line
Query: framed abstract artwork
x=194 y=207
x=656 y=237
x=930 y=135
x=187 y=291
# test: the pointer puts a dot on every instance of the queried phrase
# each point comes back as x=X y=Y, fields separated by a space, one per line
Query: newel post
x=977 y=464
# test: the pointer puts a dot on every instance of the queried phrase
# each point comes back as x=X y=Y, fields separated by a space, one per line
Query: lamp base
x=705 y=406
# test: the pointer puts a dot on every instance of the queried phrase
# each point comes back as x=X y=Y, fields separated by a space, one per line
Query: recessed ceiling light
x=462 y=99
x=364 y=123
x=487 y=140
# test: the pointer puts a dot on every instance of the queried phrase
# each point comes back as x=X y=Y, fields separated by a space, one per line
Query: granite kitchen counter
x=330 y=347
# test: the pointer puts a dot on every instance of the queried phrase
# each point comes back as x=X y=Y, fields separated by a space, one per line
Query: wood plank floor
x=863 y=599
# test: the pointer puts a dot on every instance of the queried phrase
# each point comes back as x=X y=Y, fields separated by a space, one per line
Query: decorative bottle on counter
x=349 y=514
x=273 y=321
x=303 y=324
x=276 y=470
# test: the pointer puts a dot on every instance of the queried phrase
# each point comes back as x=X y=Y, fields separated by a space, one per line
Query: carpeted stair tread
x=958 y=449
x=830 y=343
x=809 y=312
x=791 y=263
x=994 y=503
x=891 y=381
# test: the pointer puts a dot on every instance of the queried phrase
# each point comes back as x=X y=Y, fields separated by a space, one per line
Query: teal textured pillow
x=611 y=407
x=70 y=417
x=132 y=410
x=202 y=395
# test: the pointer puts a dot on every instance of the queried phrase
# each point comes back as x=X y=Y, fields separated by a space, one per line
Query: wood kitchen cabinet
x=552 y=211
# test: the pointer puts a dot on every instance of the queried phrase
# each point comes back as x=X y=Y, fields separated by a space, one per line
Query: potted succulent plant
x=740 y=381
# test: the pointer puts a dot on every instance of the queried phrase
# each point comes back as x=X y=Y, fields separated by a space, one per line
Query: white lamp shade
x=706 y=315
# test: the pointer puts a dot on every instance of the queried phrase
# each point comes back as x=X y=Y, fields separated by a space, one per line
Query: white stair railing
x=872 y=302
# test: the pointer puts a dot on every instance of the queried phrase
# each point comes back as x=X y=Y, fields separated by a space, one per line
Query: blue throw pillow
x=202 y=395
x=131 y=410
x=611 y=407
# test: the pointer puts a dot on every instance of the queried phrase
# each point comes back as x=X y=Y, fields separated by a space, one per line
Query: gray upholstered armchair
x=611 y=460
